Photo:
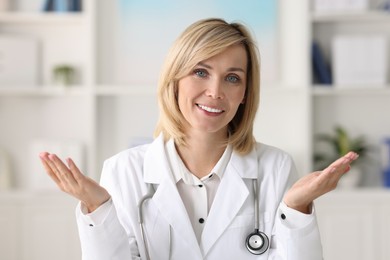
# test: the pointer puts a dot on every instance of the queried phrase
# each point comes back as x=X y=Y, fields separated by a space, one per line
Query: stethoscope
x=256 y=242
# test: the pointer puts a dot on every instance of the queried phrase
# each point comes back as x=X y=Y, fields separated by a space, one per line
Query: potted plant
x=340 y=143
x=64 y=74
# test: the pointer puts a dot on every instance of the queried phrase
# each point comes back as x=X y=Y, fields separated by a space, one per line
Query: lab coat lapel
x=167 y=198
x=230 y=197
x=169 y=203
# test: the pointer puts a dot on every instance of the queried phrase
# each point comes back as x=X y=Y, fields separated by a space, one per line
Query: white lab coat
x=127 y=177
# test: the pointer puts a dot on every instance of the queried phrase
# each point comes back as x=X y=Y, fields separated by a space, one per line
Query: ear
x=243 y=100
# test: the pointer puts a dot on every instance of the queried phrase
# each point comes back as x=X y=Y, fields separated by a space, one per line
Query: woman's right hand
x=70 y=180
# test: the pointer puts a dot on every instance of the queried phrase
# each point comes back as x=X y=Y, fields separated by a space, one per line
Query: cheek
x=183 y=92
x=238 y=97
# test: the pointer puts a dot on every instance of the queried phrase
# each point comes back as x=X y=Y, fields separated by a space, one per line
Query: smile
x=209 y=109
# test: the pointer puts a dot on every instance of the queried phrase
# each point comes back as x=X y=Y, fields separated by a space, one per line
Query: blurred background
x=78 y=78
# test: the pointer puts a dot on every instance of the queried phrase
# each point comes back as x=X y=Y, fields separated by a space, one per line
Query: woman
x=203 y=189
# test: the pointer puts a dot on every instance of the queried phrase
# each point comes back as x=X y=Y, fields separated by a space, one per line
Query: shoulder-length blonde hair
x=201 y=41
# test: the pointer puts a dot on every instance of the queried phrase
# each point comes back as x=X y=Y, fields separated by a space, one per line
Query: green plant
x=63 y=74
x=340 y=143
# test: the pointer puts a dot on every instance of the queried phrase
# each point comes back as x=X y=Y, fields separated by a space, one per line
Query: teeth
x=209 y=109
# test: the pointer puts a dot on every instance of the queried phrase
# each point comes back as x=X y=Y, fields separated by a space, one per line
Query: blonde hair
x=201 y=41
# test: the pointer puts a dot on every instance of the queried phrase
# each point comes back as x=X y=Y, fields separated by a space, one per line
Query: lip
x=211 y=110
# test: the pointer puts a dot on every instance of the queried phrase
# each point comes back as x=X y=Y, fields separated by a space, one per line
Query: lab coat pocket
x=233 y=241
x=158 y=237
x=242 y=221
x=249 y=220
x=264 y=220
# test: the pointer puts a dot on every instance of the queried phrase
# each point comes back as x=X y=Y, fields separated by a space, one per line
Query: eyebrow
x=230 y=69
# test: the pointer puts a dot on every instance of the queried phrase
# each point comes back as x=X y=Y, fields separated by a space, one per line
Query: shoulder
x=275 y=162
x=276 y=166
x=130 y=157
x=269 y=153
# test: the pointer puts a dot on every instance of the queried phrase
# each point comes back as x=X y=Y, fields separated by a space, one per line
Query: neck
x=202 y=152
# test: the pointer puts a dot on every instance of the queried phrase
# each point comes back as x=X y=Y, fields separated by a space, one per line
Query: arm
x=70 y=180
x=302 y=194
x=101 y=239
x=296 y=232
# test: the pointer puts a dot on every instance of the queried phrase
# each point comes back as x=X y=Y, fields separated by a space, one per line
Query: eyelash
x=236 y=78
x=198 y=71
x=233 y=78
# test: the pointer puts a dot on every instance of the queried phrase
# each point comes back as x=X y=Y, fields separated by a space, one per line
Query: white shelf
x=44 y=91
x=48 y=18
x=15 y=194
x=329 y=90
x=361 y=17
x=118 y=90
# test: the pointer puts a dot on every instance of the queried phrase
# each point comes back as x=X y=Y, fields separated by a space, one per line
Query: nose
x=215 y=89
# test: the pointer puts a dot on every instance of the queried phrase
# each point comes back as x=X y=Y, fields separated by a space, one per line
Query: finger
x=77 y=175
x=326 y=175
x=63 y=170
x=332 y=174
x=342 y=165
x=48 y=169
x=347 y=169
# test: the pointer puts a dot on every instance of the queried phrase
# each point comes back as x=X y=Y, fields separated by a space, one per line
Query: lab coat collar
x=230 y=197
x=156 y=165
x=156 y=158
x=245 y=165
x=167 y=198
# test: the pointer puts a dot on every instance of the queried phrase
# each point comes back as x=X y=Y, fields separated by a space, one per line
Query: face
x=210 y=95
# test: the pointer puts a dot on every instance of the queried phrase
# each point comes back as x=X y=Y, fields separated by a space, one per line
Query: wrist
x=303 y=208
x=91 y=207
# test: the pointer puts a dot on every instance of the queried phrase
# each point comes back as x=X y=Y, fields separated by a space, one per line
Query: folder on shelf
x=75 y=5
x=48 y=6
x=320 y=67
x=62 y=6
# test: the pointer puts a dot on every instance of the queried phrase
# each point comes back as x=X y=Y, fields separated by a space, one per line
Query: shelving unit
x=360 y=109
x=45 y=110
x=26 y=18
x=337 y=17
x=350 y=218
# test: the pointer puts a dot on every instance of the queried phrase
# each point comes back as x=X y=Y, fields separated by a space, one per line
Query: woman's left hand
x=308 y=188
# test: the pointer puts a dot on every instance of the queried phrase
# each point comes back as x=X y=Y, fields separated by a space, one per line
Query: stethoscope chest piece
x=257 y=242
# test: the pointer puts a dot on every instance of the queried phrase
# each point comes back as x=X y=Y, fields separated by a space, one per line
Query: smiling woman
x=209 y=97
x=202 y=61
x=204 y=188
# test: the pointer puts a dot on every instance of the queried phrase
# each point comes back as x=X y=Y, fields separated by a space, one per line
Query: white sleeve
x=96 y=217
x=295 y=235
x=102 y=236
x=294 y=219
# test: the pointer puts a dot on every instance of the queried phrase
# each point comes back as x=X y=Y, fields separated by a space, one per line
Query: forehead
x=235 y=56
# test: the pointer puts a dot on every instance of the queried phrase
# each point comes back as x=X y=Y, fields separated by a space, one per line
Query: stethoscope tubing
x=264 y=237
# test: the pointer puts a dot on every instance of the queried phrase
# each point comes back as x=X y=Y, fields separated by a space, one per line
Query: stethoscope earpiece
x=257 y=242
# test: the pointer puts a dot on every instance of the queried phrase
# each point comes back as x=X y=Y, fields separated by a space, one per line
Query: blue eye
x=200 y=73
x=232 y=79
